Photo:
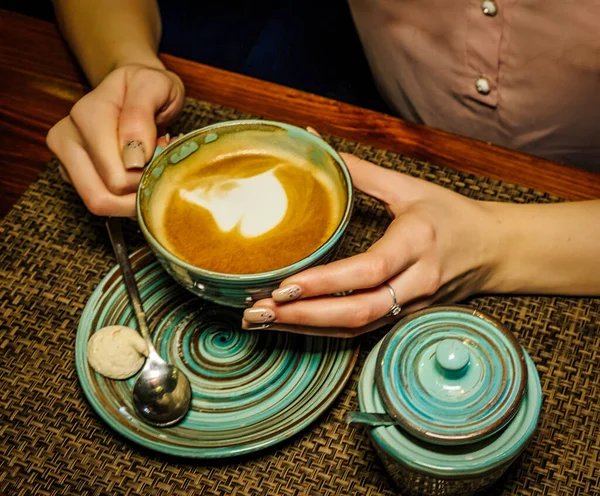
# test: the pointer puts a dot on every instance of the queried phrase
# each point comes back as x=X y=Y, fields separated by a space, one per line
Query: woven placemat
x=53 y=255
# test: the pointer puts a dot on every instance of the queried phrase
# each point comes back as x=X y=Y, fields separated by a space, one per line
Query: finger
x=144 y=99
x=367 y=270
x=338 y=332
x=352 y=159
x=174 y=103
x=163 y=141
x=166 y=139
x=386 y=185
x=83 y=175
x=119 y=112
x=96 y=118
x=366 y=176
x=393 y=253
x=64 y=174
x=97 y=198
x=356 y=310
x=419 y=283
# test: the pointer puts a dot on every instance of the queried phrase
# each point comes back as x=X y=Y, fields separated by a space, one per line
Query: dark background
x=310 y=45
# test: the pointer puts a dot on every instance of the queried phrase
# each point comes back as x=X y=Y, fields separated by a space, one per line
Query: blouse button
x=489 y=8
x=483 y=86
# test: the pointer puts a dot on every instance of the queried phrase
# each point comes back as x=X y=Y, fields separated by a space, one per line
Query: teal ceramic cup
x=465 y=395
x=241 y=290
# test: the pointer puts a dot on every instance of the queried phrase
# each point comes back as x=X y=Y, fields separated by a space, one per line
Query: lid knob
x=452 y=354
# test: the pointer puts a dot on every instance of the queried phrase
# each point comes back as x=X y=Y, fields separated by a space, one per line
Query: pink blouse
x=522 y=74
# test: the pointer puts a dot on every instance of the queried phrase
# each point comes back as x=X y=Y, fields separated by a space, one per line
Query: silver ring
x=395 y=309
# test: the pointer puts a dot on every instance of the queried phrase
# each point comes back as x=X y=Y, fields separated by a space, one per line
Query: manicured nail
x=247 y=326
x=259 y=315
x=287 y=293
x=133 y=155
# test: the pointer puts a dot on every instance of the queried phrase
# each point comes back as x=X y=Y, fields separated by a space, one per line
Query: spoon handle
x=113 y=224
x=371 y=419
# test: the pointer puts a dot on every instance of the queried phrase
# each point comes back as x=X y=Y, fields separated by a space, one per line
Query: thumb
x=150 y=95
x=386 y=185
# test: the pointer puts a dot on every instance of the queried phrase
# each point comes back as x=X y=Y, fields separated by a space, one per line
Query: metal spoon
x=161 y=393
x=370 y=419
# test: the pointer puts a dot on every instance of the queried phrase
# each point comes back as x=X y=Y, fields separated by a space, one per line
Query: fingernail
x=287 y=293
x=259 y=315
x=312 y=130
x=133 y=155
x=247 y=326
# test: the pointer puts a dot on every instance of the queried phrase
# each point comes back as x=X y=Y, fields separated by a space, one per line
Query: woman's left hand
x=440 y=247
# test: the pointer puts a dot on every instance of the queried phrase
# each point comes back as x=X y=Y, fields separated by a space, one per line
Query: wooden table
x=53 y=443
x=40 y=81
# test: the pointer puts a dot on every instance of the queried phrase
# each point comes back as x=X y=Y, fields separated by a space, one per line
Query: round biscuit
x=116 y=352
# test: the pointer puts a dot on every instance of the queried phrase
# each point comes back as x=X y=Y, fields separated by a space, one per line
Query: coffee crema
x=244 y=205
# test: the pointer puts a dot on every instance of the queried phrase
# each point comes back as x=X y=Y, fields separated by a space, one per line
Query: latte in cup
x=246 y=203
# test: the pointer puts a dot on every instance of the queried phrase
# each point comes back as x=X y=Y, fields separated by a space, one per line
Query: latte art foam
x=245 y=204
x=254 y=205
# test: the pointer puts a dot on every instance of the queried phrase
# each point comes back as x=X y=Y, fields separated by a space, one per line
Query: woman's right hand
x=110 y=134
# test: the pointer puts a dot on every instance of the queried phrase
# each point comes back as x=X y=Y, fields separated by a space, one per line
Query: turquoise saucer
x=250 y=389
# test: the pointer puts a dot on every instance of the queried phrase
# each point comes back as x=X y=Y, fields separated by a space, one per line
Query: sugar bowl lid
x=451 y=375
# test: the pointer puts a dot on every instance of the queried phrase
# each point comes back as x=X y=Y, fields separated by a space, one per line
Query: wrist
x=148 y=59
x=127 y=58
x=502 y=239
x=139 y=58
x=544 y=249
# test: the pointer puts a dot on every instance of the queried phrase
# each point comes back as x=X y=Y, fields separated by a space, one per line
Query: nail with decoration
x=287 y=293
x=247 y=326
x=259 y=315
x=134 y=155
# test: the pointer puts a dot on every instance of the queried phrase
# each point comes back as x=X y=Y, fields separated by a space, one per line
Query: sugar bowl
x=464 y=397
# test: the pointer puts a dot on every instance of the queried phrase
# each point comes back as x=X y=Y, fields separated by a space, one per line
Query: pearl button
x=489 y=8
x=483 y=86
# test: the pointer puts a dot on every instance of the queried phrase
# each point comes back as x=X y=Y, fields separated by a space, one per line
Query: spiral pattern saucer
x=250 y=389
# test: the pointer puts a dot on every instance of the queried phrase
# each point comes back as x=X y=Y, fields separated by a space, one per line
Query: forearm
x=105 y=34
x=547 y=249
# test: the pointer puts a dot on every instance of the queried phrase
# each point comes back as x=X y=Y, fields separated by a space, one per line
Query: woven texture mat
x=53 y=255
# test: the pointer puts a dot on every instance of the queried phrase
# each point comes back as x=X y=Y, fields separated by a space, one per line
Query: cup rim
x=259 y=276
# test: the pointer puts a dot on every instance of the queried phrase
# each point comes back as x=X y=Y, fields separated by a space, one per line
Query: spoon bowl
x=161 y=393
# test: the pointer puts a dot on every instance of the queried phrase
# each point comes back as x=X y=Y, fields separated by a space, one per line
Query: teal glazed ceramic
x=240 y=290
x=250 y=390
x=466 y=397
